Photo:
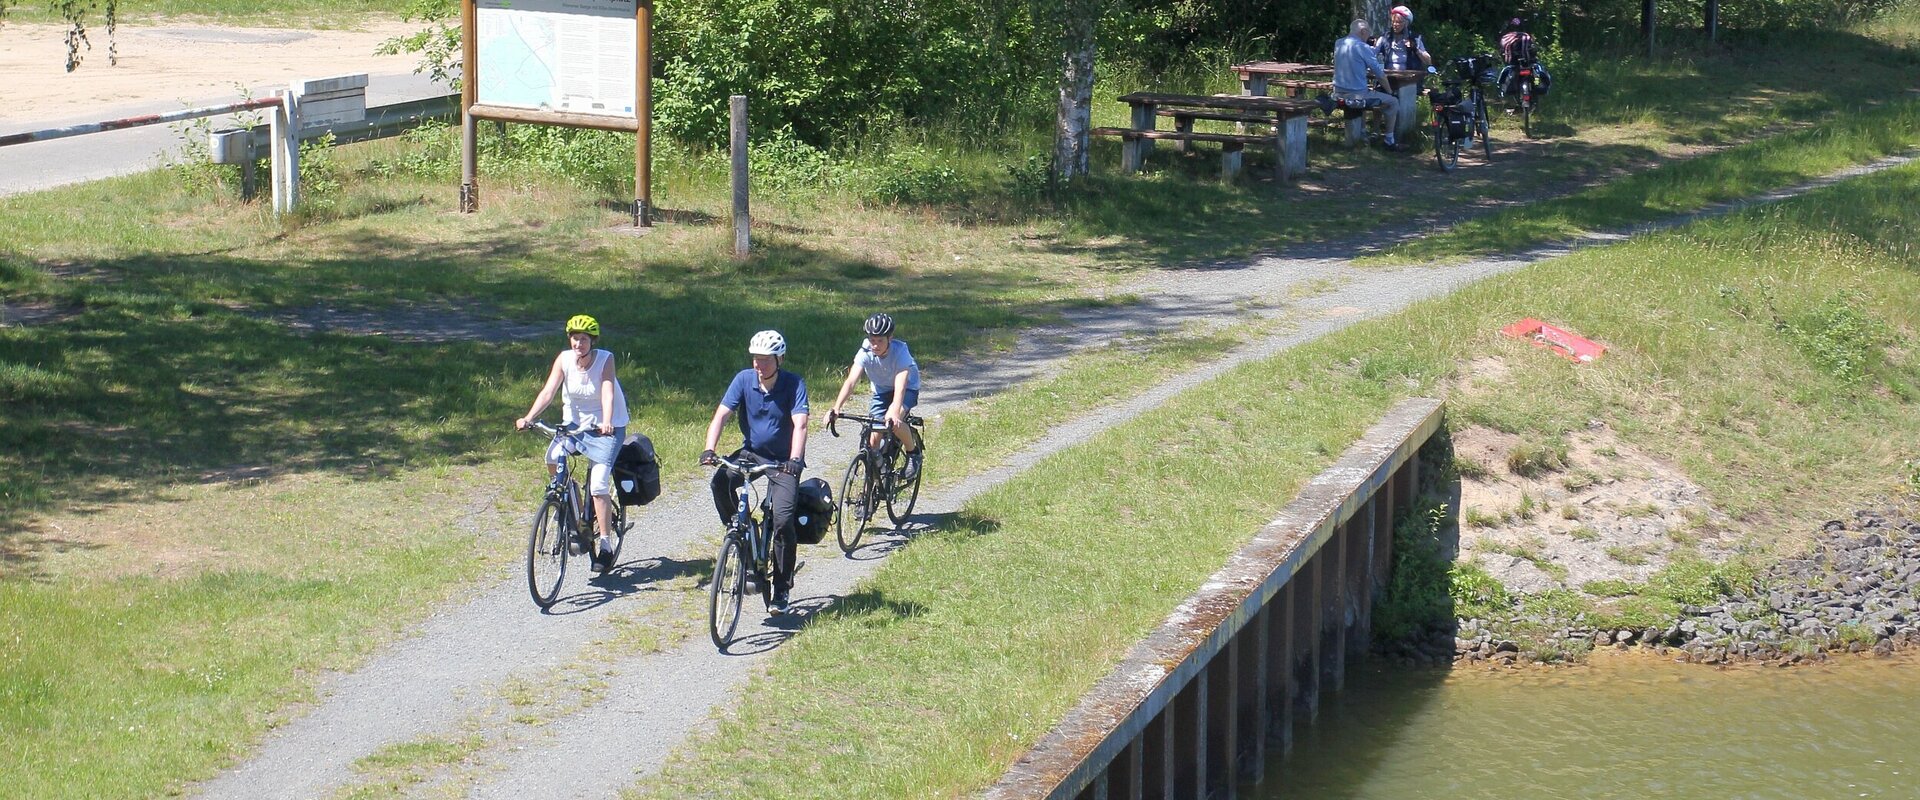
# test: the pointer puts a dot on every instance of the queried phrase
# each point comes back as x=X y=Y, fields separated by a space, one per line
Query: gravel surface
x=438 y=681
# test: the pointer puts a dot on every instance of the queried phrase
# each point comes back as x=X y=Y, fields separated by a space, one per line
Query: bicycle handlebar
x=872 y=421
x=748 y=471
x=566 y=428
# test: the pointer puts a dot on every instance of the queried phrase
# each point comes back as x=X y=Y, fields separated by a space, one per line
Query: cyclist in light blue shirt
x=890 y=367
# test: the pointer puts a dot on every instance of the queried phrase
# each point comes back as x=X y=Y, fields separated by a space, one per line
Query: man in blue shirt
x=772 y=403
x=1353 y=61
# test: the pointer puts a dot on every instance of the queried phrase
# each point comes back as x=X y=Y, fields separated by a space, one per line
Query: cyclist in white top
x=895 y=377
x=591 y=399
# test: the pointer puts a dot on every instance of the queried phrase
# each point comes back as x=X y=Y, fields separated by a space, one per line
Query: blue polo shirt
x=766 y=417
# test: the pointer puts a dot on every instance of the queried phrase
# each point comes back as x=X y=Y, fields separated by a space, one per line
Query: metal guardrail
x=380 y=122
x=136 y=122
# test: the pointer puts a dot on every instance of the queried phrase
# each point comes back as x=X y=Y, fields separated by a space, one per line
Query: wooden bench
x=1286 y=116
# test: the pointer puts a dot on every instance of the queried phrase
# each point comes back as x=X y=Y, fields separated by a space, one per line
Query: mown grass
x=174 y=377
x=1855 y=136
x=963 y=650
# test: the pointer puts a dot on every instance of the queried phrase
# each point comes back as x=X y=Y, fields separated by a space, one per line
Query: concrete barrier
x=1192 y=710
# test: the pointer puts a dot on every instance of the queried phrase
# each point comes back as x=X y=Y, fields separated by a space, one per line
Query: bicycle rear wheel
x=856 y=504
x=900 y=501
x=1526 y=114
x=547 y=552
x=724 y=592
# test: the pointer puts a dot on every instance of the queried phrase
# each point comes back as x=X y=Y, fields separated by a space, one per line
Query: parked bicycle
x=876 y=476
x=1460 y=114
x=563 y=527
x=747 y=553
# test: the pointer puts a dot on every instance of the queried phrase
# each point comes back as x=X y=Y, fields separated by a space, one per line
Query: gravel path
x=439 y=681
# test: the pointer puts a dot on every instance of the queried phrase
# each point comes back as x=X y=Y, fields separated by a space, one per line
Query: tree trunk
x=1075 y=113
x=1374 y=12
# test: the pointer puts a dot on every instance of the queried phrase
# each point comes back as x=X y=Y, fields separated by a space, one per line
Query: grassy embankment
x=192 y=488
x=1770 y=355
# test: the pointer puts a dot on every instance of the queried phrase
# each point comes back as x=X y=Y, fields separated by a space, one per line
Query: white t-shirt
x=580 y=389
x=880 y=370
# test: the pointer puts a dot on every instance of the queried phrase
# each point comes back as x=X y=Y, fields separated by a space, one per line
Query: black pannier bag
x=814 y=512
x=636 y=472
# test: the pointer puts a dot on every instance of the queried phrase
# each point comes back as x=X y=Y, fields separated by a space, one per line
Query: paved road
x=44 y=165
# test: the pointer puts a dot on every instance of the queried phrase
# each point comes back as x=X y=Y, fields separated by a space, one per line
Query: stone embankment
x=1855 y=590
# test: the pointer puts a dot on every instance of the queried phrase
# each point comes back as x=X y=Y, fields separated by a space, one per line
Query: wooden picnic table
x=1286 y=116
x=1295 y=79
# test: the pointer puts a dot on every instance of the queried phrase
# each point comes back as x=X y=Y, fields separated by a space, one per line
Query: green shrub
x=1417 y=596
x=1476 y=594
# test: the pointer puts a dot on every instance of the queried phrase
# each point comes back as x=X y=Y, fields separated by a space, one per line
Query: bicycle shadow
x=777 y=630
x=628 y=577
x=880 y=544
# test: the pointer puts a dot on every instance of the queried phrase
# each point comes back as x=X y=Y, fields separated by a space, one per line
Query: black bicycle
x=564 y=525
x=748 y=554
x=1525 y=80
x=876 y=476
x=1460 y=114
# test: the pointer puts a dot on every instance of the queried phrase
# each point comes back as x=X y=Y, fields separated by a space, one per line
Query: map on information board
x=576 y=56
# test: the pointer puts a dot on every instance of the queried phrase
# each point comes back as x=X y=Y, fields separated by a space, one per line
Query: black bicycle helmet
x=880 y=325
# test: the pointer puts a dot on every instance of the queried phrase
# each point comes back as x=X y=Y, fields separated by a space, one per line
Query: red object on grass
x=1571 y=346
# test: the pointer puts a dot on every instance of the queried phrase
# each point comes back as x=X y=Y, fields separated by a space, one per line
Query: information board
x=575 y=56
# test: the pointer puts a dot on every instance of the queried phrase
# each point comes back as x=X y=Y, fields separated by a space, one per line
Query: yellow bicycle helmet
x=582 y=323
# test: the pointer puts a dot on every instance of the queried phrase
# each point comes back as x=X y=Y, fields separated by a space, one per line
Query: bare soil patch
x=177 y=61
x=1606 y=512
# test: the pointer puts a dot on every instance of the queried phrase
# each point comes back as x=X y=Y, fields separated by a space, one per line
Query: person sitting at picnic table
x=1353 y=61
x=1401 y=48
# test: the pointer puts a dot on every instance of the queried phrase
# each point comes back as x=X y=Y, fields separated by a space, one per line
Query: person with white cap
x=772 y=404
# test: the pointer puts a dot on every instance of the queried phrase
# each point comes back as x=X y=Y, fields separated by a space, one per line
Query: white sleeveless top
x=580 y=388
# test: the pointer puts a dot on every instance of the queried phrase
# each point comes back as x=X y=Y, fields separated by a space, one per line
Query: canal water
x=1621 y=727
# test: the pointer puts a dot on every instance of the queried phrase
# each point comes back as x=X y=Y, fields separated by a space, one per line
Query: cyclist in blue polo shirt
x=772 y=403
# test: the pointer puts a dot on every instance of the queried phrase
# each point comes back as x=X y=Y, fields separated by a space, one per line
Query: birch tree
x=1075 y=112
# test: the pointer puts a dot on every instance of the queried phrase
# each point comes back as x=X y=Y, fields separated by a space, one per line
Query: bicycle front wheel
x=724 y=593
x=856 y=504
x=547 y=552
x=1486 y=142
x=1446 y=149
x=900 y=501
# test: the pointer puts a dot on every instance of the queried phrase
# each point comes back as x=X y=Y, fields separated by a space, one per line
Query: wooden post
x=1405 y=108
x=1191 y=766
x=1222 y=730
x=643 y=113
x=1291 y=162
x=1156 y=766
x=741 y=218
x=469 y=90
x=1286 y=622
x=1333 y=571
x=1257 y=685
x=1143 y=120
x=1231 y=155
x=1183 y=125
x=285 y=132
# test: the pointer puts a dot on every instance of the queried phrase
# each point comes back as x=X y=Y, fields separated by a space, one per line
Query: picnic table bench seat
x=1286 y=116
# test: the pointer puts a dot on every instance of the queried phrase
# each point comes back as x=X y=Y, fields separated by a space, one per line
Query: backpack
x=636 y=471
x=814 y=512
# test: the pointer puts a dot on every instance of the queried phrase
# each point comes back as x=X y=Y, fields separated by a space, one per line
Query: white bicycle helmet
x=767 y=343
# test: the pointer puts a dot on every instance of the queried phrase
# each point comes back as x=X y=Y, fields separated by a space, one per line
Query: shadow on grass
x=170 y=373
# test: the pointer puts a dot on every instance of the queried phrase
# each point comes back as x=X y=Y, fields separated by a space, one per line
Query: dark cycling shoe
x=779 y=605
x=1325 y=102
x=603 y=555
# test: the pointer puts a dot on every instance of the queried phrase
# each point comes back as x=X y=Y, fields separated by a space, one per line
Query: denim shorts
x=877 y=408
